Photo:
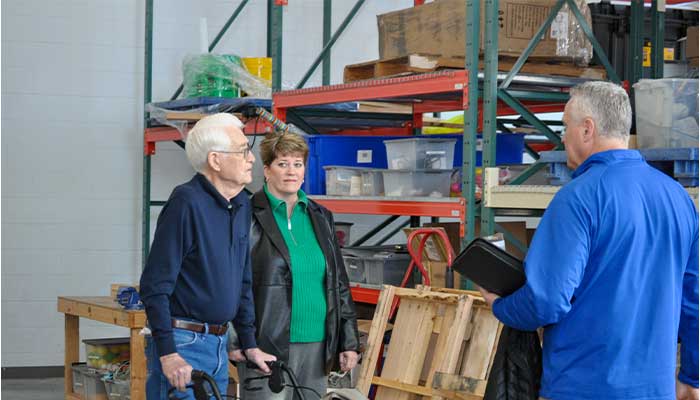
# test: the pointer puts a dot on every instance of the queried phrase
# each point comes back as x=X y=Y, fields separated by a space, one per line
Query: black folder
x=490 y=267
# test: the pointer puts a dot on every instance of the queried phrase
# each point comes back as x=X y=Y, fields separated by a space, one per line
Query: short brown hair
x=285 y=144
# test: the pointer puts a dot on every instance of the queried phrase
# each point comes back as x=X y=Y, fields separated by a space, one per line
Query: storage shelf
x=535 y=197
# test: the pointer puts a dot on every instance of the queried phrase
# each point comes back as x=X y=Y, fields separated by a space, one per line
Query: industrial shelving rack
x=456 y=90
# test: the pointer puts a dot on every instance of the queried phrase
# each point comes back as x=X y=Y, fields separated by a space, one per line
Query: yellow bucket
x=259 y=66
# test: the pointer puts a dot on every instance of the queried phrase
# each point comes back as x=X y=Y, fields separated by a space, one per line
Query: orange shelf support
x=364 y=295
x=454 y=207
x=409 y=87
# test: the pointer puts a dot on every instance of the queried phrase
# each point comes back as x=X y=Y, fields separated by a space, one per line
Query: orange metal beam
x=415 y=85
x=448 y=209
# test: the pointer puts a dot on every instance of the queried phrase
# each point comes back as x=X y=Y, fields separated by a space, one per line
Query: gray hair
x=607 y=104
x=207 y=135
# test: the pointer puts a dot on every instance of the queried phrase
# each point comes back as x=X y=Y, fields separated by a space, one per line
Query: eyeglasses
x=245 y=152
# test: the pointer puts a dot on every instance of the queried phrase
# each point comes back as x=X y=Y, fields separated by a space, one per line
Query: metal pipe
x=326 y=68
x=146 y=171
x=490 y=103
x=471 y=118
x=274 y=46
x=658 y=18
x=330 y=43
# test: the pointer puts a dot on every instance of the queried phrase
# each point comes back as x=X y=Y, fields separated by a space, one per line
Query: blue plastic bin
x=680 y=163
x=352 y=151
x=370 y=152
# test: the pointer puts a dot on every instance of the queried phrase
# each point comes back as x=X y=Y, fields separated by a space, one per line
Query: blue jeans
x=204 y=352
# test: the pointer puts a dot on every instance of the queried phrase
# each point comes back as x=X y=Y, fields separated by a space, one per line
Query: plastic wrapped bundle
x=213 y=75
x=571 y=39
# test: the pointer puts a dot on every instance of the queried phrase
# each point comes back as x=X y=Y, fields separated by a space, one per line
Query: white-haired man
x=198 y=275
x=612 y=272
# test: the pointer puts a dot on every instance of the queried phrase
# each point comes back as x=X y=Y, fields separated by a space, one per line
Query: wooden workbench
x=103 y=309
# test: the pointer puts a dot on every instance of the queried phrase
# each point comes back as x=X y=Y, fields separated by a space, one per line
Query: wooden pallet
x=442 y=345
x=417 y=63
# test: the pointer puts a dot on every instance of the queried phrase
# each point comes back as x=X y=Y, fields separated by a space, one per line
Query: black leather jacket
x=272 y=284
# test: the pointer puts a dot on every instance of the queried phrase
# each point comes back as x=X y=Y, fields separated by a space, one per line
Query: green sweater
x=308 y=270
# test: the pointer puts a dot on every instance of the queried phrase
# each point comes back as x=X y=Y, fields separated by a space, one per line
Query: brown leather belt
x=199 y=327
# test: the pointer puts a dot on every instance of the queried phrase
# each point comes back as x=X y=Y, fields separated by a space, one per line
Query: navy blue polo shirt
x=199 y=264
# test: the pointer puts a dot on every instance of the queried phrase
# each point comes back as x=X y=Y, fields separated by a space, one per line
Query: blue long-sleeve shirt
x=612 y=273
x=199 y=264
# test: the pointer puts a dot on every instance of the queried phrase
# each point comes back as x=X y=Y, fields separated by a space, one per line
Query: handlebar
x=198 y=387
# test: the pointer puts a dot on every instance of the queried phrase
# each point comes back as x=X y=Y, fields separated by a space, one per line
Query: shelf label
x=364 y=156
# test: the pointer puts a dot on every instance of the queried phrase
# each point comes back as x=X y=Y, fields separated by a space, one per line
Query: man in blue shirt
x=198 y=274
x=612 y=271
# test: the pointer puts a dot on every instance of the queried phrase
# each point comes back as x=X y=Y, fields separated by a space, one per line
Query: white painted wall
x=72 y=90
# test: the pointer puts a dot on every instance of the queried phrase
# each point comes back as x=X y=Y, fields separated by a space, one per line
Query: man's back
x=614 y=246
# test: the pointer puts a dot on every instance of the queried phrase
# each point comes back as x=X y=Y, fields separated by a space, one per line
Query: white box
x=666 y=113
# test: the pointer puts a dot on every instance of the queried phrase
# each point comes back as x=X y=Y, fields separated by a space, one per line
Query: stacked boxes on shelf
x=97 y=379
x=364 y=159
x=419 y=167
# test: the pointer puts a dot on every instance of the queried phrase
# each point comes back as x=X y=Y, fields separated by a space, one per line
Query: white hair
x=207 y=135
x=607 y=104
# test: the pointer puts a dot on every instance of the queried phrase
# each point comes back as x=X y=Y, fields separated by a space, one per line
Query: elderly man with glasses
x=198 y=275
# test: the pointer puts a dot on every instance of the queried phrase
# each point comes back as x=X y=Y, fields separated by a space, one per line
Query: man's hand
x=488 y=296
x=348 y=360
x=259 y=357
x=236 y=355
x=177 y=370
x=685 y=391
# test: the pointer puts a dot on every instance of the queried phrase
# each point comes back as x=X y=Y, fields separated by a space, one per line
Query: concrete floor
x=32 y=389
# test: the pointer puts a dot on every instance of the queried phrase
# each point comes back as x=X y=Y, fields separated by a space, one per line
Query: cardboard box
x=691 y=43
x=438 y=28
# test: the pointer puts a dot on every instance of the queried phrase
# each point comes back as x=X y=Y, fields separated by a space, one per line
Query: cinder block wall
x=72 y=94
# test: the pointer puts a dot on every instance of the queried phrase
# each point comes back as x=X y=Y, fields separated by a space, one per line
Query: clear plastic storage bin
x=418 y=183
x=107 y=354
x=420 y=153
x=353 y=181
x=372 y=182
x=666 y=113
x=343 y=181
x=118 y=389
x=376 y=265
x=79 y=370
x=94 y=386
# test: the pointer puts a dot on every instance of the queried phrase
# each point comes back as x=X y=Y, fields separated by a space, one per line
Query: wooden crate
x=442 y=345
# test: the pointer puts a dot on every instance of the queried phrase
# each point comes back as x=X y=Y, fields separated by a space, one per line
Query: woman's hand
x=348 y=360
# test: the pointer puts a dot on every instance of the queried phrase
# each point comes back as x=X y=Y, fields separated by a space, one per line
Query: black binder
x=490 y=267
